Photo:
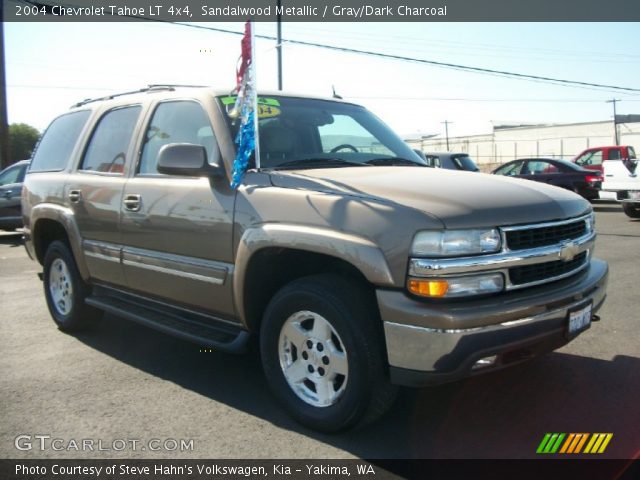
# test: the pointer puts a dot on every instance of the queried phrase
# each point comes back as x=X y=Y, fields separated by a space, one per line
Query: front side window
x=464 y=162
x=590 y=158
x=107 y=150
x=10 y=175
x=176 y=122
x=595 y=159
x=55 y=147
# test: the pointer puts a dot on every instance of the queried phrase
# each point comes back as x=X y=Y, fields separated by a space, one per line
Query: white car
x=622 y=178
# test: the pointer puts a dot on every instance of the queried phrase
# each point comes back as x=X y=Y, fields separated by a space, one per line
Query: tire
x=632 y=210
x=65 y=290
x=324 y=331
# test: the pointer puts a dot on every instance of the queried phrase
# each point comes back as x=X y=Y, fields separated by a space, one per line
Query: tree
x=22 y=141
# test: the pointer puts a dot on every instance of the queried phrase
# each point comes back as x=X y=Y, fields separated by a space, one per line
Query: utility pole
x=615 y=123
x=279 y=45
x=4 y=126
x=446 y=131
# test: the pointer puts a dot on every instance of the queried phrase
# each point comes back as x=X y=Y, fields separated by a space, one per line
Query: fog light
x=485 y=362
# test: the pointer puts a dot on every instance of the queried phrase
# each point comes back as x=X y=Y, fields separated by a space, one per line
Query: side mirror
x=186 y=159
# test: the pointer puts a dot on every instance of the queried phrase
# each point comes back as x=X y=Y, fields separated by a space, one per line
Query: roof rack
x=150 y=88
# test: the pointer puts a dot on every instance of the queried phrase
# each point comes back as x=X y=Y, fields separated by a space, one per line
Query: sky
x=50 y=66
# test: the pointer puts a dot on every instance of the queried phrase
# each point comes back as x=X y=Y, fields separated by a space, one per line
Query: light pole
x=279 y=45
x=4 y=126
x=615 y=124
x=446 y=131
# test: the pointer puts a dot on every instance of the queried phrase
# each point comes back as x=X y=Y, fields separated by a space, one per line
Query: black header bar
x=323 y=10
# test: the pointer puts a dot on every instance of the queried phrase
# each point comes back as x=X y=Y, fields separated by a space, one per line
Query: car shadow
x=503 y=414
x=607 y=207
x=13 y=239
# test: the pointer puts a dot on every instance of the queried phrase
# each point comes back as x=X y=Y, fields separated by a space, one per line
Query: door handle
x=75 y=196
x=132 y=202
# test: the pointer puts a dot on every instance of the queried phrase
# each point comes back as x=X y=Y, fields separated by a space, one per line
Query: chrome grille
x=542 y=271
x=522 y=239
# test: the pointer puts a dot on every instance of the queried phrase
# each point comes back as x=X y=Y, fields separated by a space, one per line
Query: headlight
x=451 y=243
x=456 y=286
x=590 y=222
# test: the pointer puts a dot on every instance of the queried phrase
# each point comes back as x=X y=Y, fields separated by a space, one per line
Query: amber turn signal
x=428 y=288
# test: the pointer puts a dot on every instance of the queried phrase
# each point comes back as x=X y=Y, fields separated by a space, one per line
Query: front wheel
x=65 y=290
x=632 y=210
x=323 y=356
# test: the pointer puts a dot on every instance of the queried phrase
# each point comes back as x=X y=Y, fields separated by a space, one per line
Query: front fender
x=358 y=251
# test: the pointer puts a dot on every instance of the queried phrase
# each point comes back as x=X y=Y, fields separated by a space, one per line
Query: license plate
x=634 y=195
x=579 y=320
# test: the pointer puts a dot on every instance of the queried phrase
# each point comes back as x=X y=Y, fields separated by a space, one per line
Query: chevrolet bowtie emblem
x=568 y=251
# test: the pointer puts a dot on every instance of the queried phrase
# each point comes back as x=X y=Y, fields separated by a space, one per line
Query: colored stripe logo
x=574 y=443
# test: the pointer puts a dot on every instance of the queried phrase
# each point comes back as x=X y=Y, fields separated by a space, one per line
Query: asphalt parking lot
x=122 y=381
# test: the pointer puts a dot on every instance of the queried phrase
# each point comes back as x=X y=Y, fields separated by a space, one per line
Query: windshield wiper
x=317 y=163
x=393 y=161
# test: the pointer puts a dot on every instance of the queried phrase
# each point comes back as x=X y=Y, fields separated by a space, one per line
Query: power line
x=503 y=73
x=556 y=81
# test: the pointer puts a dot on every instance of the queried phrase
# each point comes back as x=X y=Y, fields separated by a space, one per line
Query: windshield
x=309 y=133
x=632 y=153
x=464 y=162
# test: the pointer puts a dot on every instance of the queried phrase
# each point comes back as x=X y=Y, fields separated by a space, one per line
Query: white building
x=507 y=143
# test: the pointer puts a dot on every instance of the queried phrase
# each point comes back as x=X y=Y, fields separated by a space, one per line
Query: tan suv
x=359 y=268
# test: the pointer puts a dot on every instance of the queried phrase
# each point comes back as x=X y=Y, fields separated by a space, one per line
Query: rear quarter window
x=56 y=145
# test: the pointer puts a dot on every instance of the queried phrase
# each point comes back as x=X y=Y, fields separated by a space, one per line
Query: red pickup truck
x=592 y=158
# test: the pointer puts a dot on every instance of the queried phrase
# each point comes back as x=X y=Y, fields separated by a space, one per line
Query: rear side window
x=176 y=122
x=614 y=154
x=107 y=150
x=56 y=145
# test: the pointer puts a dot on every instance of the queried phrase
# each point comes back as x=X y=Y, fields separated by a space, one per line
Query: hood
x=459 y=199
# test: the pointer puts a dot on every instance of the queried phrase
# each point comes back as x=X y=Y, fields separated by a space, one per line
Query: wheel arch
x=50 y=222
x=270 y=256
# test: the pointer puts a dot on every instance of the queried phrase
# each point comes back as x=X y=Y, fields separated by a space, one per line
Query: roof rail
x=150 y=88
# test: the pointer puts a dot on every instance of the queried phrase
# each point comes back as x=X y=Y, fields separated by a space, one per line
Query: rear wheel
x=631 y=209
x=65 y=290
x=323 y=355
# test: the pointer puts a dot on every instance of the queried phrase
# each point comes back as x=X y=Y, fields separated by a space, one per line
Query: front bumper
x=430 y=343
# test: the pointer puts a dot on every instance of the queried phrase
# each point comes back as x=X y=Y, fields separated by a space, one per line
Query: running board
x=199 y=329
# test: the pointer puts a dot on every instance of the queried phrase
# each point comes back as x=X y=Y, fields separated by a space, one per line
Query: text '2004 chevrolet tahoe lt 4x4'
x=358 y=267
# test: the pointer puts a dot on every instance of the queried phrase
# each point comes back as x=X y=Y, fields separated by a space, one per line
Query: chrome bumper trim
x=423 y=348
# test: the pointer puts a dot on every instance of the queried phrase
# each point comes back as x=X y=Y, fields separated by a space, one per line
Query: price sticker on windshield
x=267 y=111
